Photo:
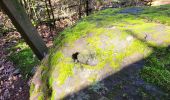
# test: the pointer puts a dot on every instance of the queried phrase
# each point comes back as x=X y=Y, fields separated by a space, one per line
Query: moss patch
x=24 y=59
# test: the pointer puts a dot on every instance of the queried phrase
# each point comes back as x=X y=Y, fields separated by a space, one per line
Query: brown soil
x=12 y=84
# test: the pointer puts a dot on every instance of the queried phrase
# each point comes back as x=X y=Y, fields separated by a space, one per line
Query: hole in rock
x=74 y=56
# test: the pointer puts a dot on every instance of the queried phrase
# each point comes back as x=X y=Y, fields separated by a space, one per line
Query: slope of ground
x=112 y=54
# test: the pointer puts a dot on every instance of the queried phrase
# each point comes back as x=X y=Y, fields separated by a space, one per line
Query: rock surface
x=101 y=57
x=87 y=57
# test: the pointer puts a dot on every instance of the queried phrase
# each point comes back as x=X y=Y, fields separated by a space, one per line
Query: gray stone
x=16 y=72
x=88 y=58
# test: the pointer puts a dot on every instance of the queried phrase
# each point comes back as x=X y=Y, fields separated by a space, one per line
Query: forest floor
x=12 y=84
x=18 y=63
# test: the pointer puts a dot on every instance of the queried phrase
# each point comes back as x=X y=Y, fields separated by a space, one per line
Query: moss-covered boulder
x=102 y=55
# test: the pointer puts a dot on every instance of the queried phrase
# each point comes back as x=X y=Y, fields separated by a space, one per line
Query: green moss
x=65 y=68
x=157 y=14
x=70 y=35
x=97 y=20
x=62 y=65
x=104 y=55
x=36 y=94
x=53 y=95
x=24 y=59
x=136 y=47
x=32 y=87
x=55 y=58
x=92 y=79
x=41 y=97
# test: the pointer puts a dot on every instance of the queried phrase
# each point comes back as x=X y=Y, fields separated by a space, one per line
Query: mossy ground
x=24 y=59
x=113 y=36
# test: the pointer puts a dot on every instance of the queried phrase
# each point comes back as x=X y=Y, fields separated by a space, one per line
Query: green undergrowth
x=23 y=58
x=157 y=68
x=112 y=25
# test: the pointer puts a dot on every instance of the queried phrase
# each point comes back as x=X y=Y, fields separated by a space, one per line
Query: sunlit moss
x=53 y=95
x=104 y=55
x=92 y=79
x=143 y=27
x=32 y=87
x=56 y=57
x=65 y=68
x=21 y=45
x=136 y=47
x=95 y=43
x=70 y=35
x=41 y=97
x=157 y=14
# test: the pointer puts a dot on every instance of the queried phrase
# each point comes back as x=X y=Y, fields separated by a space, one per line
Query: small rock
x=148 y=37
x=10 y=78
x=1 y=68
x=33 y=70
x=111 y=27
x=16 y=72
x=15 y=78
x=20 y=76
x=2 y=82
x=92 y=62
x=10 y=82
x=129 y=38
x=88 y=58
x=13 y=86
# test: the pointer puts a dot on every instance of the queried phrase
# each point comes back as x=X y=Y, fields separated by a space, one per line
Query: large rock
x=100 y=57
